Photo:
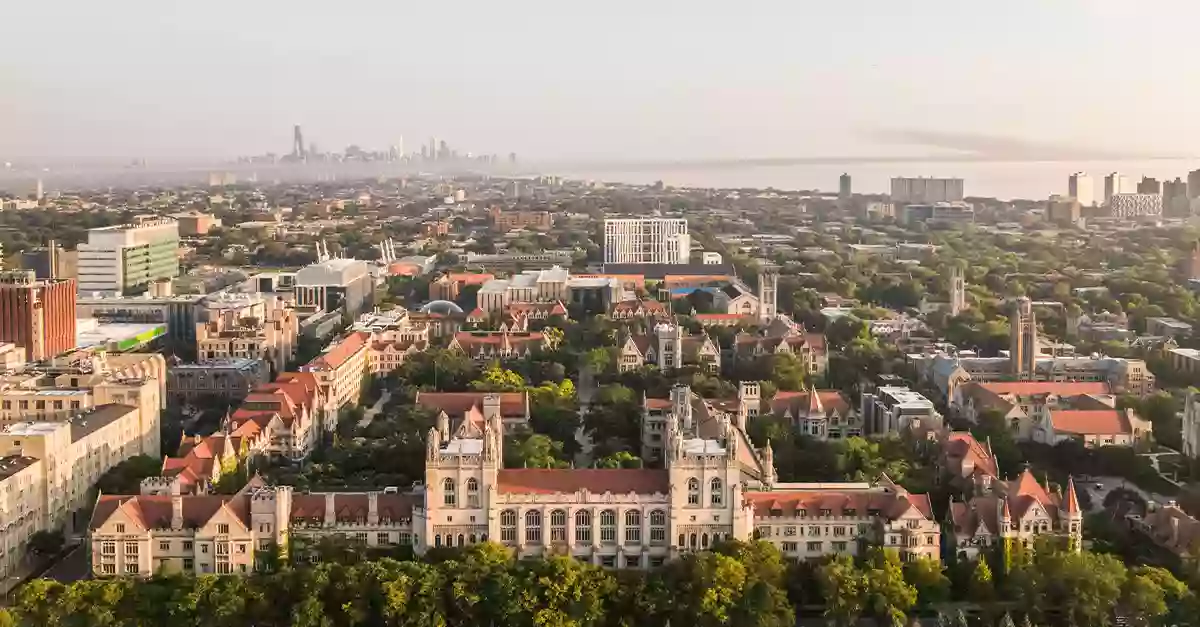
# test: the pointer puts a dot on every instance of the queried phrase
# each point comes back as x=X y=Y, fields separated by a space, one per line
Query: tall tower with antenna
x=298 y=143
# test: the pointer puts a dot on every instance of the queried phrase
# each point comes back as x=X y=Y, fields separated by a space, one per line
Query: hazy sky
x=644 y=79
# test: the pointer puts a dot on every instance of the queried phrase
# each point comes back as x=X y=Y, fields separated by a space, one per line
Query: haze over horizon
x=619 y=81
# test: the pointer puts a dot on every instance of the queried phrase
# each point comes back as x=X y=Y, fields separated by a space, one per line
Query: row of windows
x=583 y=526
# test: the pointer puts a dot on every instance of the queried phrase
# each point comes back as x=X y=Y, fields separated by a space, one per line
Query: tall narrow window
x=658 y=527
x=608 y=527
x=448 y=496
x=583 y=527
x=633 y=527
x=508 y=526
x=472 y=492
x=558 y=526
x=533 y=527
x=717 y=497
x=693 y=491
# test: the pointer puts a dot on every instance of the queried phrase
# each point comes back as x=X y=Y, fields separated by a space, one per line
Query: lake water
x=1004 y=180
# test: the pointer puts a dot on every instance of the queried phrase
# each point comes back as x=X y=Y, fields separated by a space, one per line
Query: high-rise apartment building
x=1117 y=183
x=647 y=240
x=1175 y=197
x=1149 y=185
x=37 y=315
x=921 y=190
x=1193 y=184
x=844 y=186
x=1081 y=187
x=125 y=259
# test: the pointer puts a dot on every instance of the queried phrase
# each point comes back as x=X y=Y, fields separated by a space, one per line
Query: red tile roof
x=962 y=445
x=803 y=401
x=154 y=512
x=1090 y=421
x=1031 y=388
x=457 y=403
x=339 y=353
x=788 y=503
x=352 y=506
x=594 y=480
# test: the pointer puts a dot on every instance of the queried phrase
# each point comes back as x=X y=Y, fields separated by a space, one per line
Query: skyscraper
x=1175 y=198
x=844 y=186
x=647 y=240
x=298 y=143
x=1081 y=187
x=1117 y=183
x=37 y=315
x=1194 y=184
x=1023 y=349
x=1149 y=185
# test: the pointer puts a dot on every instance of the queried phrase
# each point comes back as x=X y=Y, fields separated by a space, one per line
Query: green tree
x=982 y=587
x=535 y=451
x=497 y=379
x=888 y=597
x=932 y=585
x=844 y=588
x=620 y=459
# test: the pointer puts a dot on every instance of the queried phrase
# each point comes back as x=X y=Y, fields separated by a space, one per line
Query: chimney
x=176 y=511
x=372 y=508
x=330 y=511
x=1174 y=530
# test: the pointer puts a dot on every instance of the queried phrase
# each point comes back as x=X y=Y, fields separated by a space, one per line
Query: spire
x=814 y=402
x=1072 y=500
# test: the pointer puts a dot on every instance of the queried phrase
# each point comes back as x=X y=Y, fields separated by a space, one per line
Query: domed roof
x=441 y=307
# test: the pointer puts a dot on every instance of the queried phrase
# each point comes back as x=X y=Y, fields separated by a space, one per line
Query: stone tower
x=1023 y=339
x=768 y=287
x=958 y=291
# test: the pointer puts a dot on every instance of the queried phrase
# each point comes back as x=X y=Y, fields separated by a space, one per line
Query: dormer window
x=776 y=513
x=826 y=512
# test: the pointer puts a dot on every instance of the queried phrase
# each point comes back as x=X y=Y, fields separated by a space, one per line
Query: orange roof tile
x=1061 y=388
x=1090 y=421
x=340 y=352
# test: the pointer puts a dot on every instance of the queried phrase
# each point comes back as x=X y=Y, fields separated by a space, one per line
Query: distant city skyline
x=548 y=82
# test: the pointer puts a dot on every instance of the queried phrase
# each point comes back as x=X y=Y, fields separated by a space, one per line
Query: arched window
x=704 y=541
x=448 y=495
x=508 y=526
x=682 y=541
x=558 y=525
x=658 y=527
x=608 y=527
x=716 y=496
x=472 y=539
x=472 y=492
x=692 y=541
x=633 y=527
x=583 y=527
x=462 y=541
x=437 y=540
x=693 y=491
x=533 y=527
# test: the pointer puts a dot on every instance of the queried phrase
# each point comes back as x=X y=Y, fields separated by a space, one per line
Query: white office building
x=125 y=259
x=647 y=240
x=921 y=190
x=1135 y=205
x=1082 y=187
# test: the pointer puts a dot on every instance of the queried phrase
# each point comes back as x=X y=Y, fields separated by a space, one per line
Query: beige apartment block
x=73 y=454
x=61 y=391
x=22 y=509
